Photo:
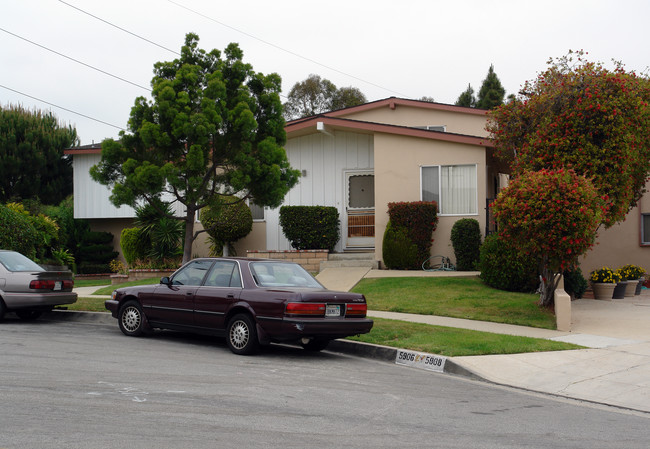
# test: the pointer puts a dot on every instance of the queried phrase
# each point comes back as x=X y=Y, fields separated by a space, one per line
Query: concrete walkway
x=615 y=370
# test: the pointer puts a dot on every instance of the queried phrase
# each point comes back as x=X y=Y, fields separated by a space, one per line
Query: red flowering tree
x=551 y=216
x=580 y=115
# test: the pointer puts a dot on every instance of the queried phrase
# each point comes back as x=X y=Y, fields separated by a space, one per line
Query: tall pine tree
x=467 y=98
x=492 y=92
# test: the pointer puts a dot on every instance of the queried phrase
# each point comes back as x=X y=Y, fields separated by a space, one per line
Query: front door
x=360 y=209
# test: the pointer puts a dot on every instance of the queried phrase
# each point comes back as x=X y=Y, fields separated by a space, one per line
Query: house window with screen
x=645 y=229
x=257 y=211
x=453 y=187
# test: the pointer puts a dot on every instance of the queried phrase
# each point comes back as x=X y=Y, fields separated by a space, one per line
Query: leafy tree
x=492 y=92
x=316 y=95
x=214 y=127
x=579 y=115
x=346 y=97
x=32 y=163
x=551 y=216
x=467 y=98
x=427 y=99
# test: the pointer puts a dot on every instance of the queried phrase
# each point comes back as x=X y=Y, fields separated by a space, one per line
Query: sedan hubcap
x=131 y=319
x=239 y=334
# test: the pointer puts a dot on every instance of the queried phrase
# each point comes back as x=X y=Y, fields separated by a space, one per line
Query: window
x=224 y=274
x=192 y=273
x=257 y=211
x=645 y=229
x=453 y=187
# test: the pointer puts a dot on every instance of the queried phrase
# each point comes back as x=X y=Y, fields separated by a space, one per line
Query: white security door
x=360 y=209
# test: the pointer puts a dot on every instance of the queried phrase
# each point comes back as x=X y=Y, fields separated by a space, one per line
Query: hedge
x=310 y=227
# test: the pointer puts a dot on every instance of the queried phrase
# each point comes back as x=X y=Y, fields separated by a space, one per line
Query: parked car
x=28 y=289
x=251 y=302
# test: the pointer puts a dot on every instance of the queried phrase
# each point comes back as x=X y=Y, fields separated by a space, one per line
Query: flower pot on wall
x=603 y=290
x=619 y=290
x=631 y=287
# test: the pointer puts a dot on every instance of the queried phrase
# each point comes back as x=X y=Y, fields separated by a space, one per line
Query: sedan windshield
x=14 y=261
x=278 y=274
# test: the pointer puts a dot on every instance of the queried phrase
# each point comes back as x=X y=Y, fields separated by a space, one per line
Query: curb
x=347 y=347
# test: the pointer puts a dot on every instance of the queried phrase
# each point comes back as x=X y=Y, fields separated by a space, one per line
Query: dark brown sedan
x=251 y=302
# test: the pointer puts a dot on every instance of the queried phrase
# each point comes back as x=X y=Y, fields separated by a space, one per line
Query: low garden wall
x=310 y=259
x=136 y=275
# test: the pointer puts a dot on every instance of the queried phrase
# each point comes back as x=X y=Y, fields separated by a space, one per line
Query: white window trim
x=471 y=214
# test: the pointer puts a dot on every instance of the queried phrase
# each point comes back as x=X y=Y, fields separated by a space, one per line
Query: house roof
x=93 y=148
x=394 y=102
x=310 y=125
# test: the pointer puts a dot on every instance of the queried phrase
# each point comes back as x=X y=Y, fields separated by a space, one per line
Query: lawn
x=453 y=342
x=457 y=297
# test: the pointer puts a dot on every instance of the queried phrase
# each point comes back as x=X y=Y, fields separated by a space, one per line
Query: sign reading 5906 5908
x=420 y=360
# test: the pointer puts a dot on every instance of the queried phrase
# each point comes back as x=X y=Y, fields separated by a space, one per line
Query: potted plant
x=603 y=281
x=633 y=275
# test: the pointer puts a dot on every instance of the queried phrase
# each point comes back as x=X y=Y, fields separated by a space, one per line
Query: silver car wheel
x=131 y=319
x=239 y=334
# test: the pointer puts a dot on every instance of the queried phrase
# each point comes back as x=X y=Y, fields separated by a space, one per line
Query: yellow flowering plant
x=631 y=272
x=605 y=275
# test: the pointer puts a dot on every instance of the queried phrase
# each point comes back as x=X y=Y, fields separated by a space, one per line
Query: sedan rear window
x=278 y=274
x=14 y=261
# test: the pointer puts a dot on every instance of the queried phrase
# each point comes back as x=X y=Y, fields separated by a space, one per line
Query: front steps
x=350 y=259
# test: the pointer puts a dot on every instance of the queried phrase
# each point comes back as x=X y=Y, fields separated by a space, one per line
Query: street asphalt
x=613 y=370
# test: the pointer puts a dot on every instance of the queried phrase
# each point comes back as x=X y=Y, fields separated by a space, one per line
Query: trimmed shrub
x=398 y=250
x=310 y=227
x=574 y=283
x=17 y=234
x=228 y=221
x=503 y=267
x=466 y=240
x=419 y=219
x=96 y=252
x=134 y=245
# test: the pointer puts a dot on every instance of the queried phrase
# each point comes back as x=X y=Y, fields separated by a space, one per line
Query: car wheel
x=29 y=315
x=3 y=309
x=242 y=335
x=314 y=344
x=131 y=319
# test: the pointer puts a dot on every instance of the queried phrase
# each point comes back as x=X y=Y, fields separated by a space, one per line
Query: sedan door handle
x=231 y=296
x=189 y=293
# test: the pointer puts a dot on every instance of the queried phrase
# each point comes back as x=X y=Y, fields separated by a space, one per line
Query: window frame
x=440 y=203
x=645 y=239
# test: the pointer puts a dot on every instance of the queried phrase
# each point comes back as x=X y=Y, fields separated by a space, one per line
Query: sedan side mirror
x=165 y=280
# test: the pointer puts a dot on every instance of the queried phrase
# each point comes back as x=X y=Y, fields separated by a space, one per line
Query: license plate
x=58 y=285
x=333 y=310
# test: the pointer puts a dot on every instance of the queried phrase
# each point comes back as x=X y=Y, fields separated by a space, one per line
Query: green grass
x=109 y=289
x=458 y=297
x=87 y=304
x=91 y=282
x=453 y=342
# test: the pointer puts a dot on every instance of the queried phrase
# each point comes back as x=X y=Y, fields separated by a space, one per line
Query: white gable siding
x=91 y=199
x=325 y=158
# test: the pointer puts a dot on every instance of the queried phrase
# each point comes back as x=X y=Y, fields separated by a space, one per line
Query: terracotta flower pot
x=603 y=290
x=631 y=287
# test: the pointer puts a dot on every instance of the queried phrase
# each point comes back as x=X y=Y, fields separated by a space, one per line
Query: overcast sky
x=408 y=48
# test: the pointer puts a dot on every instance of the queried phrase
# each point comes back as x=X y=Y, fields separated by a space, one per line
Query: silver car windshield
x=14 y=261
x=278 y=274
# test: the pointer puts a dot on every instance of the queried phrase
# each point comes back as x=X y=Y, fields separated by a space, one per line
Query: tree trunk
x=189 y=236
x=224 y=251
x=550 y=281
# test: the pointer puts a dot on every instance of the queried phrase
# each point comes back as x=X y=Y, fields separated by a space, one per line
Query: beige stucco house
x=361 y=158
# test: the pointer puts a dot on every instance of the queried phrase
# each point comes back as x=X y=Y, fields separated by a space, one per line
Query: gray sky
x=385 y=48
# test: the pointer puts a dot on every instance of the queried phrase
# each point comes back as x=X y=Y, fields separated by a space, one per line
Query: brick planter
x=310 y=259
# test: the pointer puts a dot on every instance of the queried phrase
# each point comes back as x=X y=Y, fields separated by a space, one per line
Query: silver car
x=29 y=290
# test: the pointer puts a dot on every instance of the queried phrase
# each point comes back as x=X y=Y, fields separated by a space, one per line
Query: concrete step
x=352 y=256
x=361 y=263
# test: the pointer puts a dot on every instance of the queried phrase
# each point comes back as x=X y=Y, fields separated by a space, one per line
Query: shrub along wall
x=418 y=220
x=310 y=227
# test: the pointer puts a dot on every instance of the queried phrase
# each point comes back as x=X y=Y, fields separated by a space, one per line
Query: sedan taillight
x=305 y=308
x=48 y=284
x=358 y=310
